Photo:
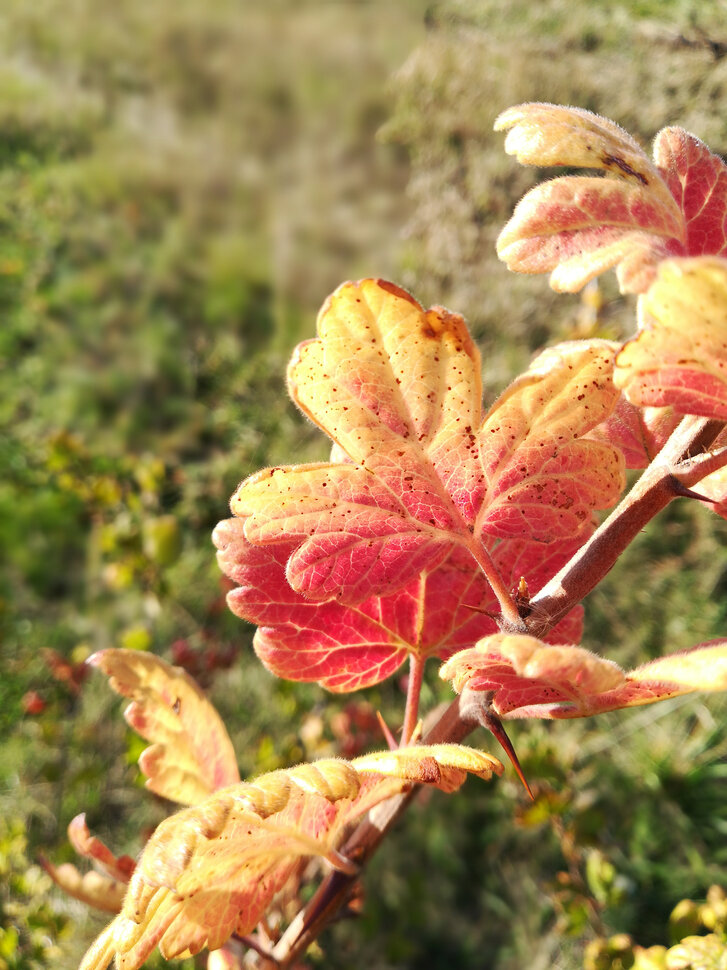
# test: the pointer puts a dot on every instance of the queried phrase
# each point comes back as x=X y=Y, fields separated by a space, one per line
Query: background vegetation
x=181 y=184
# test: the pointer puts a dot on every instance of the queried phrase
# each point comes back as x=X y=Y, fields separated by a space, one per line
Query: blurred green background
x=182 y=182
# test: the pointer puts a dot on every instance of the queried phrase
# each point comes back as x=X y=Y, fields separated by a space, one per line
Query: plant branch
x=658 y=485
x=674 y=467
x=454 y=724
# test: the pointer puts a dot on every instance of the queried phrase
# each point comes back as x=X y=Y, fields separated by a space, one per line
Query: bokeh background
x=182 y=182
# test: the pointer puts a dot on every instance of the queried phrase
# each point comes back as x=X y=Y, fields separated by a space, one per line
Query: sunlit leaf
x=191 y=754
x=679 y=357
x=92 y=888
x=349 y=647
x=638 y=432
x=530 y=678
x=212 y=870
x=637 y=215
x=397 y=388
x=118 y=868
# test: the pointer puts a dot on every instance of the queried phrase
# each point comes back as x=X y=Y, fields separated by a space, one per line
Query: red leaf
x=532 y=679
x=350 y=647
x=638 y=215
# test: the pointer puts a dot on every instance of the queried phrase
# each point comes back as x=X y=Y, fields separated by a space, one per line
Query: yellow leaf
x=191 y=754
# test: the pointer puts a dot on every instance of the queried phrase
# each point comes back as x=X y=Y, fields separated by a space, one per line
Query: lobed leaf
x=640 y=213
x=350 y=647
x=213 y=870
x=92 y=888
x=543 y=477
x=118 y=868
x=530 y=678
x=191 y=754
x=397 y=388
x=679 y=357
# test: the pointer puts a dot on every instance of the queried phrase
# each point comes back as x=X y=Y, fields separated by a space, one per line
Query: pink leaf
x=350 y=647
x=532 y=679
x=637 y=215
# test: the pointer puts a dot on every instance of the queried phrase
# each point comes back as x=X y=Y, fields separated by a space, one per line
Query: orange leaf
x=679 y=357
x=118 y=868
x=91 y=887
x=212 y=870
x=191 y=754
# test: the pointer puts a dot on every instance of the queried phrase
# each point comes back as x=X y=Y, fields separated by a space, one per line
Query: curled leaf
x=191 y=754
x=91 y=888
x=212 y=870
x=638 y=214
x=679 y=357
x=529 y=678
x=119 y=868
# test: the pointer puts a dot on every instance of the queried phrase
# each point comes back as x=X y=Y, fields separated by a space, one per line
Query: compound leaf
x=530 y=678
x=637 y=215
x=212 y=870
x=191 y=754
x=679 y=357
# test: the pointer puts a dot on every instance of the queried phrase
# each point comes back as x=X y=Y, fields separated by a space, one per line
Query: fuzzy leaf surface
x=530 y=678
x=212 y=870
x=640 y=213
x=191 y=754
x=679 y=357
x=347 y=648
x=397 y=389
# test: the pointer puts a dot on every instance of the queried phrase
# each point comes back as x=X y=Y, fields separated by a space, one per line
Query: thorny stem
x=413 y=690
x=676 y=466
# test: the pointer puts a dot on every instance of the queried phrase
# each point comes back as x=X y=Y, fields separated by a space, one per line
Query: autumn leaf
x=638 y=432
x=91 y=847
x=397 y=389
x=638 y=214
x=530 y=678
x=347 y=648
x=679 y=357
x=212 y=870
x=92 y=888
x=191 y=754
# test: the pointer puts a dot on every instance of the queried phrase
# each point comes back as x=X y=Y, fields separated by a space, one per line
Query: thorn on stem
x=493 y=724
x=388 y=736
x=681 y=491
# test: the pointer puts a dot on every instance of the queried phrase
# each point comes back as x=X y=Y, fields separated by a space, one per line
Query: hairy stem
x=454 y=724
